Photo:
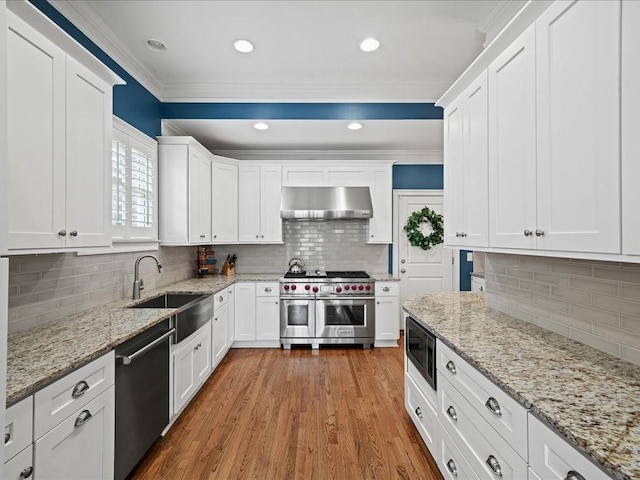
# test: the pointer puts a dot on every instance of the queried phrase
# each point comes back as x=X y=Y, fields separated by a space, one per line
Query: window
x=134 y=184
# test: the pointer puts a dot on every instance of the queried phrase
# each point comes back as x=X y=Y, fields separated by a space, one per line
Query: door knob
x=403 y=261
x=402 y=270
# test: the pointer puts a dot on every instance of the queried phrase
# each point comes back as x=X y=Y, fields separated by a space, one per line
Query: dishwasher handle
x=128 y=359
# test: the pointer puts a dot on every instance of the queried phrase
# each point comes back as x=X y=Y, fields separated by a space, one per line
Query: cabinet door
x=202 y=355
x=475 y=198
x=512 y=145
x=220 y=339
x=19 y=466
x=183 y=375
x=381 y=189
x=356 y=176
x=82 y=446
x=303 y=176
x=454 y=173
x=88 y=192
x=267 y=318
x=225 y=203
x=270 y=194
x=578 y=98
x=245 y=307
x=35 y=139
x=630 y=137
x=249 y=218
x=231 y=326
x=387 y=318
x=199 y=197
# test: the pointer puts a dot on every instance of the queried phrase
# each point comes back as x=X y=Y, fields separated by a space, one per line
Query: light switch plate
x=469 y=256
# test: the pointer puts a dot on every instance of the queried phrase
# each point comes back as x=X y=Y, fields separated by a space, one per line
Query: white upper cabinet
x=578 y=127
x=185 y=191
x=259 y=192
x=381 y=189
x=59 y=141
x=512 y=144
x=225 y=202
x=466 y=157
x=630 y=136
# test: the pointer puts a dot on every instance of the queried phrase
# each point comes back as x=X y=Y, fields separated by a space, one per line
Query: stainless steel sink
x=194 y=310
x=170 y=300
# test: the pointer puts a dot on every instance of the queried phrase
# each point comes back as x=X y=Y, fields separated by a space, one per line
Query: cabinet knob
x=539 y=233
x=257 y=236
x=494 y=465
x=493 y=405
x=73 y=233
x=80 y=389
x=62 y=233
x=451 y=465
x=372 y=235
x=215 y=236
x=378 y=303
x=262 y=236
x=267 y=290
x=7 y=437
x=573 y=475
x=452 y=413
x=26 y=473
x=215 y=319
x=83 y=418
x=451 y=367
x=419 y=412
x=528 y=233
x=386 y=289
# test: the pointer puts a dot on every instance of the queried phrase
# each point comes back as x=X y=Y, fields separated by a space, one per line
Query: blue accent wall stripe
x=303 y=111
x=131 y=102
x=429 y=177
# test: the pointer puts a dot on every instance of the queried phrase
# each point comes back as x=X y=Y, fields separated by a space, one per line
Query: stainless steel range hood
x=325 y=202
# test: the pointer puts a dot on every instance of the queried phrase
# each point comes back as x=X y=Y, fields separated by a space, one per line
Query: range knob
x=368 y=287
x=286 y=287
x=338 y=289
x=353 y=287
x=315 y=289
x=347 y=287
x=293 y=287
x=307 y=287
x=360 y=287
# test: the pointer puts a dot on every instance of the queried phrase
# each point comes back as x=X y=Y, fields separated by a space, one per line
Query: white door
x=421 y=271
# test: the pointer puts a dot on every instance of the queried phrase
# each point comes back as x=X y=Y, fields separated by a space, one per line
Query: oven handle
x=297 y=298
x=334 y=297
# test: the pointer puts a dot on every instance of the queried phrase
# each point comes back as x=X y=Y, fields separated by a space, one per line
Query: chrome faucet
x=138 y=284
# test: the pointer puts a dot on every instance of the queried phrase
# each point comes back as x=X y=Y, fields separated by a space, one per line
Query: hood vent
x=325 y=202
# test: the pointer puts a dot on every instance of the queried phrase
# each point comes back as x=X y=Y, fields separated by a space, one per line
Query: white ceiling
x=304 y=51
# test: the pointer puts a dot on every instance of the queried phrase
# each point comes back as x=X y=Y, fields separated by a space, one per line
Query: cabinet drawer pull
x=494 y=465
x=26 y=473
x=386 y=289
x=573 y=475
x=493 y=405
x=220 y=298
x=452 y=413
x=7 y=437
x=83 y=418
x=267 y=290
x=451 y=367
x=451 y=465
x=419 y=412
x=80 y=389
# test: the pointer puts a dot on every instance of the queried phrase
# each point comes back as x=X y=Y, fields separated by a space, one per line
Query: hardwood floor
x=337 y=413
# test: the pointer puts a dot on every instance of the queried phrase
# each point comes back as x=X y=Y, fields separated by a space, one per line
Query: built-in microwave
x=421 y=350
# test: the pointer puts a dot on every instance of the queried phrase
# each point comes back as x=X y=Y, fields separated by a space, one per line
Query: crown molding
x=426 y=92
x=83 y=16
x=395 y=156
x=498 y=17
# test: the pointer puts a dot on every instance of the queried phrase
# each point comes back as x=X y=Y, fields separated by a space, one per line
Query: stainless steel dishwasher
x=142 y=394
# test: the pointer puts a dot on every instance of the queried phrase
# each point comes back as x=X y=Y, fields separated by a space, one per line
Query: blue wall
x=417 y=177
x=131 y=102
x=465 y=271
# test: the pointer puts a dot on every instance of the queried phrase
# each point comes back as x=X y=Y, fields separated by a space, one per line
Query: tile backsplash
x=44 y=288
x=595 y=303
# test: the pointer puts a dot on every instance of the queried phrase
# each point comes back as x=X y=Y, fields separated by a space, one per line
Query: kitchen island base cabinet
x=20 y=466
x=82 y=446
x=191 y=366
x=451 y=462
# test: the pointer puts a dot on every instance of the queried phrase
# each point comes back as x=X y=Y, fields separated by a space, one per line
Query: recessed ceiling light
x=369 y=45
x=261 y=126
x=354 y=126
x=155 y=45
x=243 y=46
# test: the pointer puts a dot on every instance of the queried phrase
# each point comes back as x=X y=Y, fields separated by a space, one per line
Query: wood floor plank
x=336 y=413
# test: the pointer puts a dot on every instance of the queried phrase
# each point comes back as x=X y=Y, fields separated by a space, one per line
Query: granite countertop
x=588 y=397
x=42 y=354
x=384 y=277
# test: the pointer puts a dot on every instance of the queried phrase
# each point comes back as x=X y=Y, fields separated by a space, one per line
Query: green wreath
x=415 y=236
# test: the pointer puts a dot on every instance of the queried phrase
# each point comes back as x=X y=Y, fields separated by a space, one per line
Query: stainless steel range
x=318 y=307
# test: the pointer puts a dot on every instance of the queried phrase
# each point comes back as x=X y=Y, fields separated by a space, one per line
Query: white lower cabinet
x=191 y=366
x=20 y=466
x=451 y=462
x=231 y=327
x=554 y=459
x=82 y=446
x=423 y=414
x=257 y=314
x=220 y=327
x=18 y=440
x=387 y=314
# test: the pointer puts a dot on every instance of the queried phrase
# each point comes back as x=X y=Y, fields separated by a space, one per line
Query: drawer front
x=502 y=412
x=267 y=289
x=424 y=416
x=18 y=430
x=451 y=462
x=20 y=466
x=553 y=458
x=487 y=452
x=220 y=298
x=387 y=289
x=57 y=401
x=425 y=389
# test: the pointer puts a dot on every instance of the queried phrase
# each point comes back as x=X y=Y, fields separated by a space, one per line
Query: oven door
x=297 y=318
x=346 y=318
